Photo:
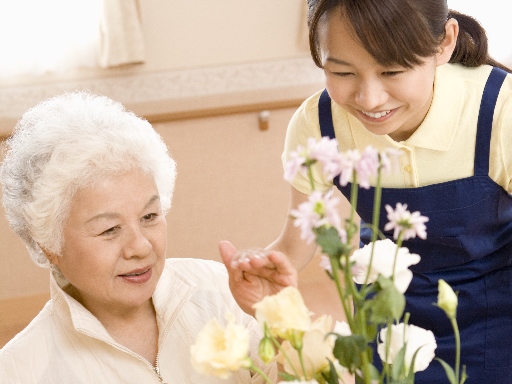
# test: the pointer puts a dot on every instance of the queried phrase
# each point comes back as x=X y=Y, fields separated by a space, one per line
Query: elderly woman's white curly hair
x=64 y=144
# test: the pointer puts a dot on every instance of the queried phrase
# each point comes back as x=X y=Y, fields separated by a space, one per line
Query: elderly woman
x=87 y=185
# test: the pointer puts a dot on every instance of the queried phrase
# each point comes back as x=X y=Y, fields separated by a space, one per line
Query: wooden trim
x=220 y=111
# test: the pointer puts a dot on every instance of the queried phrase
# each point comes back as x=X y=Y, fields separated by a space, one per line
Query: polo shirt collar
x=438 y=129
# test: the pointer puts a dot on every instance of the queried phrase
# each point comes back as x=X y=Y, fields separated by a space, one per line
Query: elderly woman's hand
x=256 y=274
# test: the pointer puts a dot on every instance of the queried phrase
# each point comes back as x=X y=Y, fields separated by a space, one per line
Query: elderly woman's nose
x=136 y=243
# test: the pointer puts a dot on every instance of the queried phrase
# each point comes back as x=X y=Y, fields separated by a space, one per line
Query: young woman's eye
x=392 y=73
x=341 y=74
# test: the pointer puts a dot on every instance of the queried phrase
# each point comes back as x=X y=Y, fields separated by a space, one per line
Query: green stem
x=346 y=309
x=455 y=326
x=260 y=372
x=310 y=176
x=398 y=245
x=301 y=359
x=375 y=220
x=388 y=345
x=353 y=206
x=366 y=368
x=287 y=358
x=376 y=206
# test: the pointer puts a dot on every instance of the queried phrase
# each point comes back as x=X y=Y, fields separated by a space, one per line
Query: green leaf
x=348 y=350
x=332 y=377
x=397 y=369
x=463 y=375
x=287 y=377
x=450 y=373
x=388 y=304
x=374 y=375
x=330 y=242
x=413 y=362
x=369 y=330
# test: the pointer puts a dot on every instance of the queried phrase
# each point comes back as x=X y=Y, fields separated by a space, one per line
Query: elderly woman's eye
x=109 y=231
x=150 y=216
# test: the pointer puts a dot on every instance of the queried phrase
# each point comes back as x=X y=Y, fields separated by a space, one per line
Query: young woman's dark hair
x=401 y=32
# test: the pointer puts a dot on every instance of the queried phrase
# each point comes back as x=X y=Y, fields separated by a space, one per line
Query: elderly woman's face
x=114 y=243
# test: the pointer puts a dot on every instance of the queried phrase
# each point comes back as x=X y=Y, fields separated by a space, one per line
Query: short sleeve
x=303 y=125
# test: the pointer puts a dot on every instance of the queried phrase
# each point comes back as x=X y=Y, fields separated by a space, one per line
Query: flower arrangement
x=370 y=281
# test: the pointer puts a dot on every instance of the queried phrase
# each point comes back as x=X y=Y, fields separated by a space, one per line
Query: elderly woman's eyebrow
x=152 y=200
x=114 y=215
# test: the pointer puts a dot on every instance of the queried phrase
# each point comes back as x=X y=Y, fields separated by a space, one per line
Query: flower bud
x=266 y=350
x=447 y=299
x=295 y=338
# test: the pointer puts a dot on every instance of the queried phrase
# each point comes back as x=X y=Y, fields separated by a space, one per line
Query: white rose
x=218 y=351
x=382 y=263
x=342 y=328
x=415 y=338
x=284 y=313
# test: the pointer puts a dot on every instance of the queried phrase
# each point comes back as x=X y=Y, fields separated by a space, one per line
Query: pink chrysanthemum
x=405 y=222
x=389 y=160
x=320 y=210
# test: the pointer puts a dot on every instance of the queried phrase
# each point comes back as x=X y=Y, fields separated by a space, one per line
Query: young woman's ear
x=447 y=46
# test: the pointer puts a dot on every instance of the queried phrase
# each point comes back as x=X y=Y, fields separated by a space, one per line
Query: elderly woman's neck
x=135 y=328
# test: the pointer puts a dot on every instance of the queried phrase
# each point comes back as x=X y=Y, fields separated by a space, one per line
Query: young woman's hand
x=254 y=274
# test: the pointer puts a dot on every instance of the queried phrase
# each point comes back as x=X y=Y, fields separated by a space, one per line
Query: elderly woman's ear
x=52 y=257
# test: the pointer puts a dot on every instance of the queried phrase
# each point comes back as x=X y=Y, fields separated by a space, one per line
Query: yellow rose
x=316 y=350
x=447 y=299
x=285 y=314
x=220 y=351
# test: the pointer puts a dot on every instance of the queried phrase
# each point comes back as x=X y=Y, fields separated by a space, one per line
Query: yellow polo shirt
x=441 y=149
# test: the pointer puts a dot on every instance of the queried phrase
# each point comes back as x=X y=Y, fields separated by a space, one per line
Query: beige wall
x=181 y=34
x=211 y=68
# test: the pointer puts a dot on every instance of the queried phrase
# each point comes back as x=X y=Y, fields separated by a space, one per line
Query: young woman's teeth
x=375 y=115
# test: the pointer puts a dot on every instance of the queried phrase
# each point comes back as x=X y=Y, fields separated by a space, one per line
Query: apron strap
x=485 y=118
x=325 y=115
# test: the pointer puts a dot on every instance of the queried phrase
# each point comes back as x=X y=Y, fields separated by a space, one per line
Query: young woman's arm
x=253 y=278
x=289 y=241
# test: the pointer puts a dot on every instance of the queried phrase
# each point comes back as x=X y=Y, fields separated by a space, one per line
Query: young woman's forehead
x=395 y=32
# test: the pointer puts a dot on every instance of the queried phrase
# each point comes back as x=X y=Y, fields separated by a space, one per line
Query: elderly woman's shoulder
x=27 y=346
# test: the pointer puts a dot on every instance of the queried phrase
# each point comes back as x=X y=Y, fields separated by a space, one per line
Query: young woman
x=416 y=76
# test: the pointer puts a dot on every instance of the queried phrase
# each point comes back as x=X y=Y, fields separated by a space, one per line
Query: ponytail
x=472 y=44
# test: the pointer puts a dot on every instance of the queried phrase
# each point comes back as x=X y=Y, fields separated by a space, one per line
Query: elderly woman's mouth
x=138 y=276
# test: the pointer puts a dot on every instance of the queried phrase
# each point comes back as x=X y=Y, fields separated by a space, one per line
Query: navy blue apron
x=469 y=245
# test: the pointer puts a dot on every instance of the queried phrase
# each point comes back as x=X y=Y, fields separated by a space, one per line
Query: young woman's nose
x=136 y=243
x=370 y=94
